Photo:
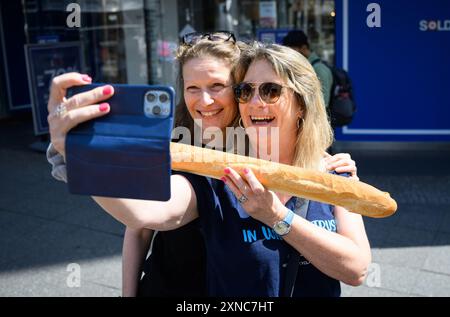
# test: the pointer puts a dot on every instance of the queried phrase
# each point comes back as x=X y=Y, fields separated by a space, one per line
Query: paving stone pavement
x=46 y=235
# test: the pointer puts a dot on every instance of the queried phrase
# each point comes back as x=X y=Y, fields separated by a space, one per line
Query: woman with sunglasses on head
x=176 y=266
x=207 y=107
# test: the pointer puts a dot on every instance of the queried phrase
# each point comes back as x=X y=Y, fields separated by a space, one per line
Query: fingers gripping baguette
x=353 y=195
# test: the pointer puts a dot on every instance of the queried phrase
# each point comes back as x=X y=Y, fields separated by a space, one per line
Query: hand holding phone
x=126 y=153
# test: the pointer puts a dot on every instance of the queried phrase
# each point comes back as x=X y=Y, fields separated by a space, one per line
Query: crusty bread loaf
x=353 y=195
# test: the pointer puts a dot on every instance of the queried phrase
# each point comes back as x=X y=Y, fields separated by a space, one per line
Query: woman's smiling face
x=208 y=93
x=282 y=114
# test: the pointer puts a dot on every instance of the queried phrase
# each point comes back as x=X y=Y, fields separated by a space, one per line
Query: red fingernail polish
x=107 y=90
x=227 y=170
x=223 y=179
x=103 y=107
x=86 y=78
x=246 y=170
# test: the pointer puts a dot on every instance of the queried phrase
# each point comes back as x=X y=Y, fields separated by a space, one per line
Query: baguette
x=355 y=196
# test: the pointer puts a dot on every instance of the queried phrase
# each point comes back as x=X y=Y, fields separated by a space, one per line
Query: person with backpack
x=336 y=83
x=297 y=40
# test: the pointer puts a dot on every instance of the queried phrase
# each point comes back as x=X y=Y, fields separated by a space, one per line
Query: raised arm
x=64 y=114
x=180 y=209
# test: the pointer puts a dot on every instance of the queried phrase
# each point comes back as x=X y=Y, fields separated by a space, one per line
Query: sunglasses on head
x=268 y=92
x=218 y=36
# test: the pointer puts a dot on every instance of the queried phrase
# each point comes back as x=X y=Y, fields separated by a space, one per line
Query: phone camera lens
x=151 y=97
x=156 y=110
x=163 y=98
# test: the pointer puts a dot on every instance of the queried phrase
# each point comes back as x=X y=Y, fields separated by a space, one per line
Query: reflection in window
x=112 y=33
x=314 y=17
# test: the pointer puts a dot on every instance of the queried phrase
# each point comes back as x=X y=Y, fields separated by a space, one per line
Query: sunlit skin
x=208 y=96
x=208 y=93
x=283 y=114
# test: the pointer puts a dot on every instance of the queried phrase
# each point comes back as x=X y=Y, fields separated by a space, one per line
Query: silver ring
x=61 y=110
x=243 y=199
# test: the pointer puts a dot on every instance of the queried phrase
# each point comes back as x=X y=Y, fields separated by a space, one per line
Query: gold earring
x=298 y=122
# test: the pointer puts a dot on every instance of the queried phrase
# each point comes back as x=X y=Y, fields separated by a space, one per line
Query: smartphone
x=125 y=153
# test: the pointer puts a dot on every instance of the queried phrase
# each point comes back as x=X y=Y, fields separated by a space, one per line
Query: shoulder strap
x=315 y=61
x=301 y=209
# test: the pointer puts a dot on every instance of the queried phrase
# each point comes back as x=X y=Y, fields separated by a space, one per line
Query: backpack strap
x=301 y=209
x=316 y=61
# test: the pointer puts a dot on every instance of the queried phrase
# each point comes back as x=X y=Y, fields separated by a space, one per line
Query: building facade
x=396 y=52
x=133 y=41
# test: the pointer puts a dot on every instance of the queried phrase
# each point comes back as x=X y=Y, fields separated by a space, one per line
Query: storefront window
x=314 y=17
x=162 y=40
x=134 y=41
x=112 y=34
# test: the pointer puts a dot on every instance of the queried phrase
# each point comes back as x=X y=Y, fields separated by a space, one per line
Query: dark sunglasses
x=268 y=92
x=218 y=36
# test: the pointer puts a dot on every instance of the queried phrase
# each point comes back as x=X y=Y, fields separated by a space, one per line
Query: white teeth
x=209 y=113
x=266 y=118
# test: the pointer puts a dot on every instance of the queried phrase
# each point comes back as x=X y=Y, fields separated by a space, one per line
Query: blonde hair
x=315 y=134
x=227 y=51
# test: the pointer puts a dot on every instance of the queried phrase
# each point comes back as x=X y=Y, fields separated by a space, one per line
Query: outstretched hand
x=64 y=114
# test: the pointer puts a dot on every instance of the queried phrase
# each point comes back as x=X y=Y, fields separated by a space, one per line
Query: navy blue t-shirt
x=247 y=258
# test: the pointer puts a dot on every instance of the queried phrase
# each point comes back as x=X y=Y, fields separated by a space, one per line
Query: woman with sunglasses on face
x=280 y=85
x=277 y=88
x=202 y=85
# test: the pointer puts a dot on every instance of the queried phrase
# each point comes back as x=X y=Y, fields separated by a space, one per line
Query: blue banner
x=398 y=56
x=45 y=61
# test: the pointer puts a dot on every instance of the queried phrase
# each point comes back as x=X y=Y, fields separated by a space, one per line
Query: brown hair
x=227 y=51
